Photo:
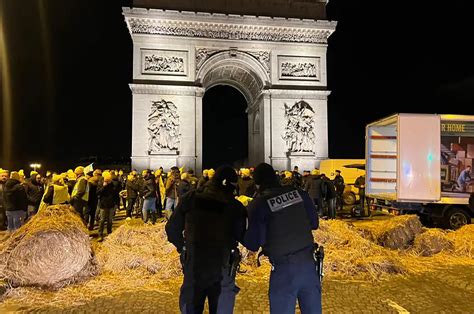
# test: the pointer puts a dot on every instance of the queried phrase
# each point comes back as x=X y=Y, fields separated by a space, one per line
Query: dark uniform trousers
x=200 y=283
x=295 y=278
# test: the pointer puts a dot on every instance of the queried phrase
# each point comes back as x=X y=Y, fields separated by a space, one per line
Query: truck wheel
x=455 y=218
x=426 y=221
x=349 y=198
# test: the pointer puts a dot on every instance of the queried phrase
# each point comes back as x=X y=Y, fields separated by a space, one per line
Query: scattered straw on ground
x=463 y=241
x=135 y=245
x=398 y=232
x=51 y=250
x=138 y=257
x=350 y=255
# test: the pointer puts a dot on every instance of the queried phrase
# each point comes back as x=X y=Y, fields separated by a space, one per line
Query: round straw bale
x=431 y=242
x=396 y=233
x=51 y=250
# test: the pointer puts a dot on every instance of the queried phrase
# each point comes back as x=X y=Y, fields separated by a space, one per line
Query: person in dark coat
x=206 y=227
x=107 y=192
x=339 y=185
x=246 y=186
x=93 y=202
x=132 y=192
x=314 y=187
x=34 y=191
x=329 y=192
x=203 y=180
x=3 y=206
x=149 y=197
x=184 y=185
x=16 y=202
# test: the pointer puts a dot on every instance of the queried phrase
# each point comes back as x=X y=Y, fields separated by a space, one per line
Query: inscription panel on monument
x=299 y=68
x=164 y=62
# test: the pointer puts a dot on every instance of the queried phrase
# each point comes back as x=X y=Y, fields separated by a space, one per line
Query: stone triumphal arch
x=278 y=64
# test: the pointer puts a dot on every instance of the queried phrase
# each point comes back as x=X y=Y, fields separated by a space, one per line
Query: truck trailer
x=422 y=163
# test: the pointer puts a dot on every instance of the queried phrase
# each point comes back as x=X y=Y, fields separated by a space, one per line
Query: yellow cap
x=107 y=176
x=33 y=174
x=184 y=176
x=79 y=170
x=57 y=178
x=211 y=173
x=3 y=170
x=288 y=174
x=71 y=176
x=205 y=172
x=245 y=172
x=315 y=172
x=158 y=173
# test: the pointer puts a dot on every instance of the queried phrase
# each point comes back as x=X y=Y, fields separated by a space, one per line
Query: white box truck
x=421 y=163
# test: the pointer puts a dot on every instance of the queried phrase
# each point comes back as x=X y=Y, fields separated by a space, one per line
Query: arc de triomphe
x=278 y=64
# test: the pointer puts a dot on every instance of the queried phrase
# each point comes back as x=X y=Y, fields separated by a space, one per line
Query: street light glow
x=35 y=166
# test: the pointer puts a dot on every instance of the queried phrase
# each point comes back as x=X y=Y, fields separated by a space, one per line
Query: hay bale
x=51 y=250
x=145 y=248
x=348 y=254
x=396 y=233
x=431 y=242
x=463 y=239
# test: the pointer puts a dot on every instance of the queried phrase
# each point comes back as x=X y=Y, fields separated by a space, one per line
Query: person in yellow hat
x=246 y=186
x=57 y=192
x=132 y=192
x=203 y=180
x=171 y=186
x=288 y=179
x=70 y=179
x=80 y=192
x=107 y=193
x=21 y=172
x=3 y=217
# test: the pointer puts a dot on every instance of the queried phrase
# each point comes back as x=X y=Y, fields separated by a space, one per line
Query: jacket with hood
x=15 y=194
x=34 y=192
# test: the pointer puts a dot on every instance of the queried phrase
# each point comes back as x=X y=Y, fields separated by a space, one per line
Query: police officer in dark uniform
x=280 y=221
x=213 y=222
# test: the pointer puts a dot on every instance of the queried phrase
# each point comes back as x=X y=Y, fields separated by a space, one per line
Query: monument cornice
x=166 y=90
x=232 y=27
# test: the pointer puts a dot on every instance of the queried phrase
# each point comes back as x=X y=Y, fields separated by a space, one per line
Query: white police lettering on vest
x=284 y=200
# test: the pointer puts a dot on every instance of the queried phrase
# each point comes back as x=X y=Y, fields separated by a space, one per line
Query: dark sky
x=70 y=63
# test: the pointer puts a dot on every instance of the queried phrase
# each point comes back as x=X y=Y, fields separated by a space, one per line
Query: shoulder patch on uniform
x=284 y=200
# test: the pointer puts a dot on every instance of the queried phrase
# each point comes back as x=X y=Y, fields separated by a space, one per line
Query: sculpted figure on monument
x=299 y=130
x=163 y=127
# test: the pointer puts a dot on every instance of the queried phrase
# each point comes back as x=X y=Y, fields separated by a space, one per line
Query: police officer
x=280 y=221
x=213 y=221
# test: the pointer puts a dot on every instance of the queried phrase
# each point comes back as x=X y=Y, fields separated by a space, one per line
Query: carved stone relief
x=299 y=130
x=298 y=68
x=163 y=127
x=202 y=54
x=164 y=62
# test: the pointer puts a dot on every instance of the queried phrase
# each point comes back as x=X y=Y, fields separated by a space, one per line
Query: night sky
x=70 y=63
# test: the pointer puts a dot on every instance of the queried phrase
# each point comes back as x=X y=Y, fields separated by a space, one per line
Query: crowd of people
x=97 y=195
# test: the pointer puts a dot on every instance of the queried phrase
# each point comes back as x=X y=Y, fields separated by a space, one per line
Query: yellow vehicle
x=351 y=169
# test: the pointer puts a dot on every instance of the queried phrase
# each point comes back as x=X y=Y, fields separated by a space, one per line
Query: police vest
x=60 y=194
x=85 y=197
x=288 y=226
